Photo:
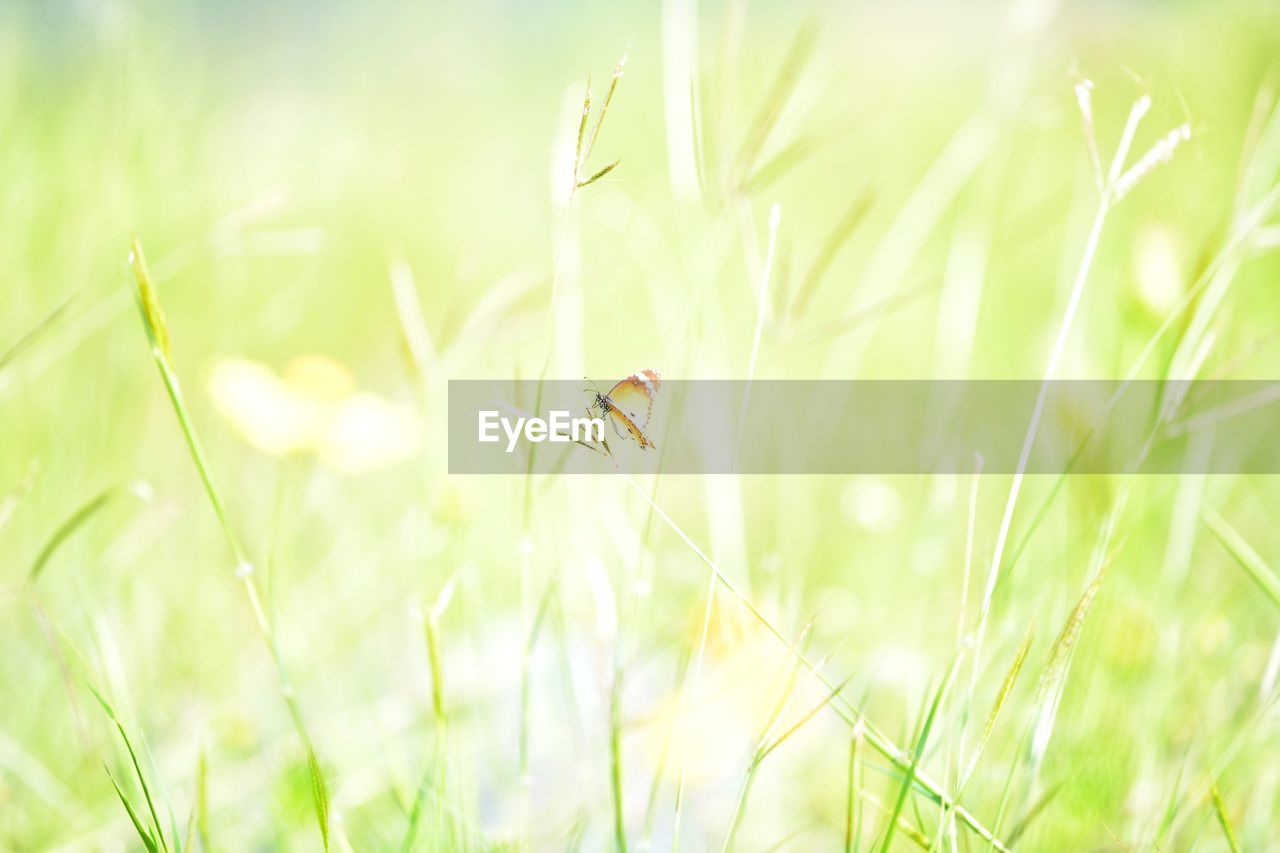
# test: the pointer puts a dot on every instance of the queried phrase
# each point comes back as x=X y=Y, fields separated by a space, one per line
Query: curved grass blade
x=1220 y=809
x=31 y=337
x=73 y=523
x=599 y=174
x=147 y=840
x=1244 y=555
x=909 y=776
x=137 y=769
x=202 y=802
x=319 y=795
x=853 y=811
x=157 y=331
x=839 y=235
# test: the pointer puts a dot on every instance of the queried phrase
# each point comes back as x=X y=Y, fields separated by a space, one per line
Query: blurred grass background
x=282 y=165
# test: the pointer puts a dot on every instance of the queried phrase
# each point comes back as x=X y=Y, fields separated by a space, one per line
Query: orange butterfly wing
x=631 y=403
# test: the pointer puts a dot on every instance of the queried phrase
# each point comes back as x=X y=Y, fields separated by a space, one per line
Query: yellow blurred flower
x=313 y=406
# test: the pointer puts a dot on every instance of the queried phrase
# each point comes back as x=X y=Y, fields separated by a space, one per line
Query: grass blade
x=149 y=302
x=142 y=781
x=604 y=110
x=157 y=330
x=599 y=174
x=779 y=165
x=765 y=744
x=1220 y=809
x=198 y=821
x=585 y=145
x=137 y=769
x=435 y=658
x=835 y=240
x=1006 y=687
x=73 y=522
x=615 y=762
x=319 y=795
x=775 y=101
x=909 y=777
x=1244 y=555
x=147 y=840
x=852 y=806
x=809 y=715
x=578 y=159
x=34 y=335
x=202 y=801
x=1054 y=675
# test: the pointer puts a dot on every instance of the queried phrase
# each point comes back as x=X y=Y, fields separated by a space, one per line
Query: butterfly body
x=629 y=405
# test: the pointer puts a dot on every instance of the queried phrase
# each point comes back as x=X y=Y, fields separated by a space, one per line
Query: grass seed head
x=149 y=300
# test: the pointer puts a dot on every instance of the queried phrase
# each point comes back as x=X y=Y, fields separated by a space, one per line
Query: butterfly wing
x=634 y=396
x=631 y=404
x=624 y=425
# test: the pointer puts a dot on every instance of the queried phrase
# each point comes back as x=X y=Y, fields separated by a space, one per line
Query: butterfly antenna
x=595 y=389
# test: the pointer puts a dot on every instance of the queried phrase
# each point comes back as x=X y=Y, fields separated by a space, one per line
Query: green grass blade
x=604 y=110
x=775 y=101
x=435 y=659
x=73 y=523
x=615 y=762
x=157 y=330
x=319 y=795
x=1220 y=809
x=147 y=840
x=809 y=715
x=830 y=248
x=146 y=790
x=599 y=174
x=578 y=159
x=908 y=778
x=124 y=736
x=158 y=335
x=1037 y=809
x=149 y=302
x=1244 y=555
x=1006 y=687
x=38 y=331
x=852 y=806
x=781 y=164
x=202 y=801
x=526 y=665
x=197 y=819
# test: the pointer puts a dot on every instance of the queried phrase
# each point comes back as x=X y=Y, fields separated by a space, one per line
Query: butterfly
x=629 y=405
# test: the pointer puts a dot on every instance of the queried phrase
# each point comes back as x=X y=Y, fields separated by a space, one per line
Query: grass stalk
x=615 y=761
x=157 y=330
x=909 y=776
x=1106 y=201
x=1243 y=554
x=1220 y=810
x=438 y=770
x=853 y=804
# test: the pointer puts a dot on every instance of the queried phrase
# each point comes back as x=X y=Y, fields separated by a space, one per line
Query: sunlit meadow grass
x=245 y=606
